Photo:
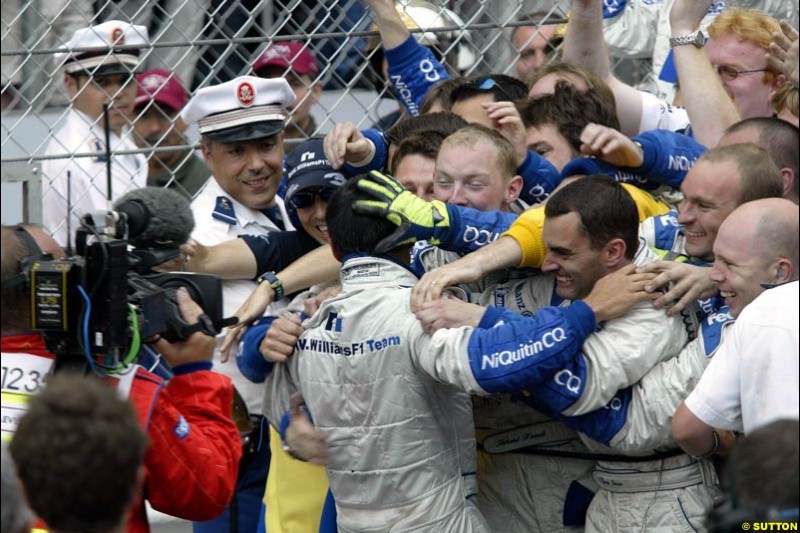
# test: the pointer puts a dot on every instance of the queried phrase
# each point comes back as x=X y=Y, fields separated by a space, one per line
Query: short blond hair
x=476 y=133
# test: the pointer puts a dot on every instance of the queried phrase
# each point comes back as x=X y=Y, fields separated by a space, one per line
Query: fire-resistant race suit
x=193 y=457
x=402 y=447
x=635 y=422
x=296 y=490
x=508 y=353
x=639 y=417
x=513 y=441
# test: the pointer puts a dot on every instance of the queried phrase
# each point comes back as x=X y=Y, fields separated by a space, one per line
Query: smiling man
x=241 y=125
x=475 y=168
x=753 y=380
x=92 y=79
x=721 y=180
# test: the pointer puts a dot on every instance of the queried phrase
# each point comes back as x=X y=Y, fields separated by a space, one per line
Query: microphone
x=157 y=218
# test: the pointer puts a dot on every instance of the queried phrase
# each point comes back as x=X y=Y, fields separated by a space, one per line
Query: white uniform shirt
x=753 y=379
x=219 y=218
x=87 y=175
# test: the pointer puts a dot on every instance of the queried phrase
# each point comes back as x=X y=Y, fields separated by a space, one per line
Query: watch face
x=699 y=39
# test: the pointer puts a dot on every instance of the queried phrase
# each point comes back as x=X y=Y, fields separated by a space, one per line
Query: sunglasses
x=729 y=73
x=305 y=198
x=487 y=83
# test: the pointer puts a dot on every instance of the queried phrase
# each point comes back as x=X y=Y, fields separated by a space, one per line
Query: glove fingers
x=375 y=190
x=387 y=181
x=370 y=208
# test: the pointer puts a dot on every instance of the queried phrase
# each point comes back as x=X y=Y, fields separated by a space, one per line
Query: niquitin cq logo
x=508 y=357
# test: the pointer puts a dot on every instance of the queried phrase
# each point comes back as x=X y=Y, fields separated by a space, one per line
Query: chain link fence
x=205 y=42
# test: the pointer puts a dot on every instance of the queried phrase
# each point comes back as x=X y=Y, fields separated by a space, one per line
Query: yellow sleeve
x=527 y=229
x=647 y=204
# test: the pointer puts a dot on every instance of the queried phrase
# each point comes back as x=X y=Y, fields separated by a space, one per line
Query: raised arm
x=412 y=68
x=391 y=27
x=710 y=108
x=584 y=45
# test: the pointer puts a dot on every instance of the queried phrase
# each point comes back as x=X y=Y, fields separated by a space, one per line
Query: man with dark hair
x=391 y=399
x=590 y=229
x=470 y=96
x=414 y=162
x=554 y=122
x=90 y=476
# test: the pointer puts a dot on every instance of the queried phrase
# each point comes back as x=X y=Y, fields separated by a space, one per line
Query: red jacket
x=193 y=459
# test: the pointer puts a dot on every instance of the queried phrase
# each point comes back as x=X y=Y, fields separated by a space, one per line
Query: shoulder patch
x=667 y=230
x=612 y=8
x=712 y=327
x=223 y=210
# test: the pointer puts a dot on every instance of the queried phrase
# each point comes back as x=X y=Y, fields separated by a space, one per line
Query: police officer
x=93 y=78
x=241 y=125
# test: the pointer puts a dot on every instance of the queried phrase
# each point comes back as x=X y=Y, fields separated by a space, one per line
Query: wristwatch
x=274 y=282
x=697 y=38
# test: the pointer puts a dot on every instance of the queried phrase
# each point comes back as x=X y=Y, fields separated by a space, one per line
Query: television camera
x=99 y=304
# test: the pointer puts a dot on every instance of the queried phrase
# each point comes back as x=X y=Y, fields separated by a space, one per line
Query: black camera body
x=105 y=299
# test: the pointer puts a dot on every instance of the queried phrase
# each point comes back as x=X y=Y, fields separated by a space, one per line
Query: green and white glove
x=416 y=219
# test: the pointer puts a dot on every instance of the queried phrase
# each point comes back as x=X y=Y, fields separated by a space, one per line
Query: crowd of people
x=538 y=302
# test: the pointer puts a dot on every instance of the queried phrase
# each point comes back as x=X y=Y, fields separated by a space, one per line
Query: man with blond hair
x=475 y=167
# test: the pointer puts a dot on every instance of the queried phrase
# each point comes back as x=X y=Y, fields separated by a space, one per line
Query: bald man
x=753 y=379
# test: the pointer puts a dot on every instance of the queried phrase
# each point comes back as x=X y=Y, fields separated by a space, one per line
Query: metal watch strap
x=697 y=38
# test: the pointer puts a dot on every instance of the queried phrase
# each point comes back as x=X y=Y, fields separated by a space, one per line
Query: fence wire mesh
x=205 y=42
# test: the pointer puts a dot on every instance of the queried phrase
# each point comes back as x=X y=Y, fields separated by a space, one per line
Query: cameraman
x=192 y=461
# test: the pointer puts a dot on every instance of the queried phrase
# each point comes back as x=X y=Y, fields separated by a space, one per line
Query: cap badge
x=152 y=82
x=246 y=94
x=117 y=36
